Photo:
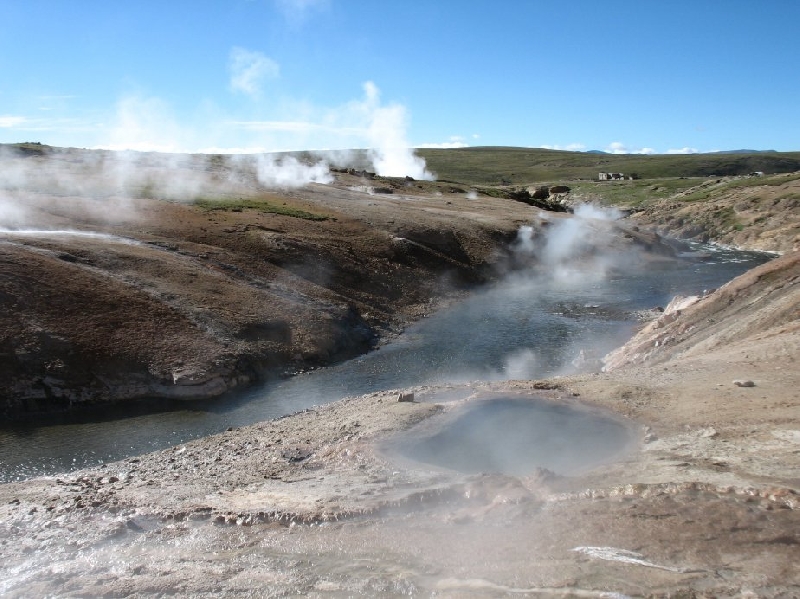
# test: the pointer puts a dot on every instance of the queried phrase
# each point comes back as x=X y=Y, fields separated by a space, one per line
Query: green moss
x=258 y=205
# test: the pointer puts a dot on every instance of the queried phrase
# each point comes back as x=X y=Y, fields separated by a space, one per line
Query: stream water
x=528 y=326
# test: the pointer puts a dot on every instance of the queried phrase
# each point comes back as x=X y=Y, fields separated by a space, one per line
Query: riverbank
x=124 y=278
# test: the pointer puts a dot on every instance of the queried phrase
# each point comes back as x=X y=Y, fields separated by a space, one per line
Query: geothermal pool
x=529 y=326
x=516 y=436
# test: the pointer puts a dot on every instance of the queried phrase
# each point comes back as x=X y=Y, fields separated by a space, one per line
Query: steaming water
x=523 y=328
x=516 y=436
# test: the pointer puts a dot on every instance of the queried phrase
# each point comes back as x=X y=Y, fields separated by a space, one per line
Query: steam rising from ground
x=386 y=132
x=565 y=255
x=56 y=189
x=149 y=124
x=577 y=247
x=103 y=187
x=287 y=171
x=145 y=124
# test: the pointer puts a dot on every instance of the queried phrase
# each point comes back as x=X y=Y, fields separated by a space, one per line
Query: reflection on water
x=516 y=436
x=526 y=327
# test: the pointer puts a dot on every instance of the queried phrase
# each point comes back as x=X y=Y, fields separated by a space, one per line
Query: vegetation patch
x=631 y=193
x=258 y=205
x=525 y=166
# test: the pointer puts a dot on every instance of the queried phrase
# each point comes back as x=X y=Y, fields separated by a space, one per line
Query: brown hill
x=146 y=291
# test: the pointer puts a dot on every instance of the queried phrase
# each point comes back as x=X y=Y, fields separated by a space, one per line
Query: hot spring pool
x=517 y=436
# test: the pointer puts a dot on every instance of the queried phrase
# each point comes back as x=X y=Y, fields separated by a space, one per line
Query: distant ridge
x=744 y=152
x=502 y=165
x=717 y=152
x=524 y=166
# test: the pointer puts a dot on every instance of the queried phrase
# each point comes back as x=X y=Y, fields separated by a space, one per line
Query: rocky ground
x=704 y=504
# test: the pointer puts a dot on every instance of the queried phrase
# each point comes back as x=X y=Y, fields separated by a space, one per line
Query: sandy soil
x=705 y=504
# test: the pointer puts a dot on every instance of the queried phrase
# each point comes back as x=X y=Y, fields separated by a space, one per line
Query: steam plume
x=287 y=171
x=386 y=133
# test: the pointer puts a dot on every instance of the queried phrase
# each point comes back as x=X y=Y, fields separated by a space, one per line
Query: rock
x=744 y=383
x=709 y=433
x=559 y=189
x=541 y=193
x=405 y=396
x=680 y=303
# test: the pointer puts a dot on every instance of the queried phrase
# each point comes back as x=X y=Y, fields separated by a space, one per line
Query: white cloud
x=573 y=147
x=456 y=141
x=249 y=69
x=445 y=145
x=686 y=150
x=297 y=11
x=11 y=122
x=617 y=147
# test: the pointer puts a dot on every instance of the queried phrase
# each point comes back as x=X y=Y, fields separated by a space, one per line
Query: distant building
x=611 y=177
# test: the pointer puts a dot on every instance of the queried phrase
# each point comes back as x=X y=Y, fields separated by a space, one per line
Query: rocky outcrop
x=757 y=214
x=755 y=305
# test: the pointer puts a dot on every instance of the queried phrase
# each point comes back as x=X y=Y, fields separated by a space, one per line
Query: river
x=527 y=326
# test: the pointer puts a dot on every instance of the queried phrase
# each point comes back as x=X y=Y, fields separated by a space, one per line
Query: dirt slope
x=759 y=213
x=168 y=298
x=752 y=310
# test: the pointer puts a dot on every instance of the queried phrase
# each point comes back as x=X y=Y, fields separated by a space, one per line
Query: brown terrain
x=705 y=502
x=756 y=212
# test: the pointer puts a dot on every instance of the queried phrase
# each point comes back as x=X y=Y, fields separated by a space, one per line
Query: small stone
x=405 y=397
x=649 y=435
x=744 y=383
x=709 y=433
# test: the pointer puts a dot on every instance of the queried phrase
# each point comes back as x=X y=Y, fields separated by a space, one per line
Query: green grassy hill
x=525 y=166
x=497 y=165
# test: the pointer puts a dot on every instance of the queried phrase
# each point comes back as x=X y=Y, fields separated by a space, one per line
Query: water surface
x=517 y=436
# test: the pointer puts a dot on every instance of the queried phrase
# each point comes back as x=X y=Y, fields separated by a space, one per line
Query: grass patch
x=697 y=196
x=631 y=193
x=743 y=183
x=727 y=218
x=258 y=205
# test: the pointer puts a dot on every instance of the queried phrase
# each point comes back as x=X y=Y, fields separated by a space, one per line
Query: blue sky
x=270 y=75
